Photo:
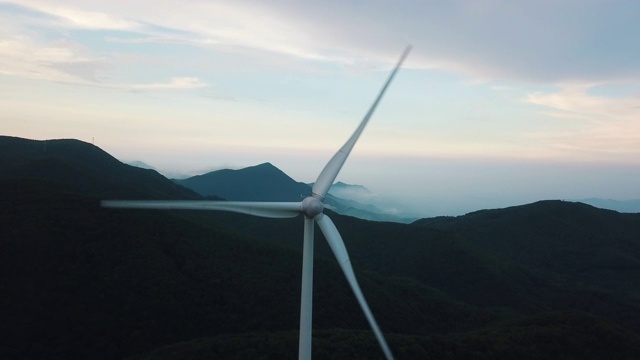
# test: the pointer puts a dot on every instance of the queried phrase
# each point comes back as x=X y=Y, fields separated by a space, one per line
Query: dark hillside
x=543 y=336
x=580 y=243
x=84 y=282
x=454 y=265
x=80 y=281
x=85 y=168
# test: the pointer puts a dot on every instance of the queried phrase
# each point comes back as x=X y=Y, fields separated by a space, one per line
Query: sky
x=500 y=103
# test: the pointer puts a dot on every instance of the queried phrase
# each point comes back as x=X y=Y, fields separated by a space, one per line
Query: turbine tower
x=312 y=208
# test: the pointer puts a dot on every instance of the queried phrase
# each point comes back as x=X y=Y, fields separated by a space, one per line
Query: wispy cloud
x=55 y=55
x=178 y=83
x=66 y=62
x=573 y=100
x=162 y=40
x=61 y=61
x=595 y=127
x=527 y=41
x=73 y=16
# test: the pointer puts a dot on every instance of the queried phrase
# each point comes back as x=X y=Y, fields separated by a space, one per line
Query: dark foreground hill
x=79 y=281
x=576 y=242
x=543 y=336
x=83 y=168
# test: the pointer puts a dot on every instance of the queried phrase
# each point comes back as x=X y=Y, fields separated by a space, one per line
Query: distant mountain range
x=548 y=280
x=167 y=174
x=141 y=164
x=357 y=192
x=625 y=206
x=266 y=182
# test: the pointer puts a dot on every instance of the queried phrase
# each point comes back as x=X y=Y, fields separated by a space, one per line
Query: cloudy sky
x=500 y=102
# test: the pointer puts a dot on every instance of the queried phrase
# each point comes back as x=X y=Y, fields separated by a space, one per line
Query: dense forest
x=549 y=280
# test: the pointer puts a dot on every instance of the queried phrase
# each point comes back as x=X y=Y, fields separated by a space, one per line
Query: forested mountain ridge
x=80 y=281
x=577 y=241
x=83 y=167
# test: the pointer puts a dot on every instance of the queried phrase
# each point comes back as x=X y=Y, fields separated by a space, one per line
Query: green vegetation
x=550 y=280
x=568 y=335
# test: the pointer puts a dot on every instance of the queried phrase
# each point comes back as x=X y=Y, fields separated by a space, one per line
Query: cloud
x=56 y=61
x=586 y=40
x=54 y=55
x=574 y=100
x=543 y=42
x=71 y=16
x=28 y=50
x=68 y=62
x=162 y=40
x=178 y=83
x=593 y=127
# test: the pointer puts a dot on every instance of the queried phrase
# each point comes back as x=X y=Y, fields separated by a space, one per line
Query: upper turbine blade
x=263 y=209
x=340 y=251
x=331 y=170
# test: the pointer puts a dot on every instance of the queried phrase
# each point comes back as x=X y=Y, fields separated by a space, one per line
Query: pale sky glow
x=500 y=102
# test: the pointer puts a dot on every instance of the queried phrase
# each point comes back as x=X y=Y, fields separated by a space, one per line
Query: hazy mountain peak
x=141 y=165
x=265 y=182
x=263 y=165
x=262 y=182
x=356 y=192
x=352 y=187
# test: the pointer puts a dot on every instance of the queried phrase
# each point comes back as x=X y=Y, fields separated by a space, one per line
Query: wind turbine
x=312 y=209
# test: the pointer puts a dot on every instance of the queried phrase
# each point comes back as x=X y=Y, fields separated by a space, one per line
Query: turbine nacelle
x=311 y=206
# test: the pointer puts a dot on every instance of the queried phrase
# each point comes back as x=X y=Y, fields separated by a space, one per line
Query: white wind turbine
x=311 y=207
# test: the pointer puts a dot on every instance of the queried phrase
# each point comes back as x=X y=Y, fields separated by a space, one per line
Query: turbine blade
x=263 y=209
x=331 y=170
x=340 y=251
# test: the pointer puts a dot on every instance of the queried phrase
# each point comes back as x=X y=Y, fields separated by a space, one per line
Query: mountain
x=266 y=182
x=262 y=182
x=508 y=265
x=141 y=165
x=349 y=191
x=575 y=242
x=545 y=280
x=504 y=341
x=358 y=201
x=166 y=173
x=83 y=167
x=626 y=206
x=80 y=281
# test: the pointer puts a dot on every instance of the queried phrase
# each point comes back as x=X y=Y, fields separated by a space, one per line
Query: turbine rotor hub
x=312 y=207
